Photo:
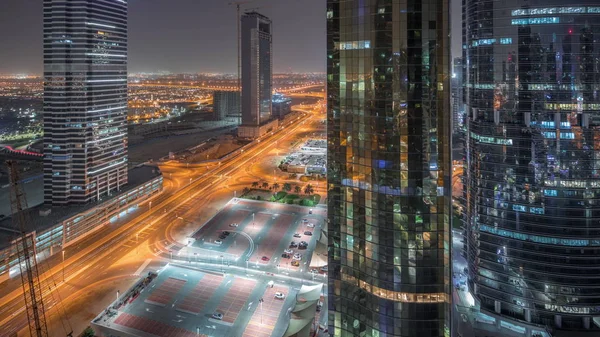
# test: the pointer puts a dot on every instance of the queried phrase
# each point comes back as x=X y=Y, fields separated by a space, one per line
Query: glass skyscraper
x=388 y=133
x=257 y=69
x=85 y=99
x=533 y=178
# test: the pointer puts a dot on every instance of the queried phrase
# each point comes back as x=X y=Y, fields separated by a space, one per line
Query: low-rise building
x=55 y=228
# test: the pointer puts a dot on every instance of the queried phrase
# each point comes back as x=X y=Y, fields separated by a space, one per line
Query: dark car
x=222 y=236
x=308 y=233
x=297 y=235
x=226 y=233
x=285 y=256
x=293 y=244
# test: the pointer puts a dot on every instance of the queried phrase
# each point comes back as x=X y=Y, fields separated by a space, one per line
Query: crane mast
x=25 y=244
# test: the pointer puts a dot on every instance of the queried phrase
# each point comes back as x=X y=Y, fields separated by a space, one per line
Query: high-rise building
x=457 y=95
x=257 y=69
x=225 y=103
x=389 y=167
x=533 y=210
x=85 y=99
x=282 y=106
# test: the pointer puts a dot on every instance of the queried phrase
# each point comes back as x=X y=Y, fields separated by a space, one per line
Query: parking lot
x=182 y=301
x=258 y=233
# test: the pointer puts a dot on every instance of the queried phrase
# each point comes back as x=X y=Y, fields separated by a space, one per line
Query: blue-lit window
x=548 y=124
x=536 y=210
x=565 y=125
x=505 y=40
x=550 y=193
x=567 y=135
x=593 y=9
x=549 y=134
x=535 y=21
x=519 y=208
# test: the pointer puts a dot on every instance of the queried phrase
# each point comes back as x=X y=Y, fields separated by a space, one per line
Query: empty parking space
x=193 y=302
x=269 y=247
x=152 y=327
x=165 y=292
x=235 y=299
x=264 y=319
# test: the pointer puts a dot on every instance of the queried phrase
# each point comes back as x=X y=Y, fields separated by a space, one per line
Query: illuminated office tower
x=257 y=69
x=388 y=133
x=85 y=99
x=533 y=179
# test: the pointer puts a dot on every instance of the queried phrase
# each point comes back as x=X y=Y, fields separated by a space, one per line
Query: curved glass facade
x=533 y=107
x=388 y=131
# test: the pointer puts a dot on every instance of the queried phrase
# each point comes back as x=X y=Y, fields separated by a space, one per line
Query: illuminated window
x=535 y=21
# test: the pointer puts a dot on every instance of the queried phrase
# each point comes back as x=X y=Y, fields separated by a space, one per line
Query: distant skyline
x=186 y=36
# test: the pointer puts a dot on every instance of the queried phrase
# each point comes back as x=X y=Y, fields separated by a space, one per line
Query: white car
x=310 y=225
x=279 y=296
x=233 y=225
x=288 y=251
x=217 y=315
x=218 y=242
x=297 y=256
x=304 y=220
x=324 y=268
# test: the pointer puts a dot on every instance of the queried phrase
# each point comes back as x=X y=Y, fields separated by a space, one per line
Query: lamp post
x=63 y=264
x=150 y=206
x=261 y=310
x=252 y=220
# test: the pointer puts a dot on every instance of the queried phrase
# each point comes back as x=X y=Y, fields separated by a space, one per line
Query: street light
x=252 y=220
x=261 y=310
x=150 y=205
x=196 y=257
x=63 y=264
x=222 y=263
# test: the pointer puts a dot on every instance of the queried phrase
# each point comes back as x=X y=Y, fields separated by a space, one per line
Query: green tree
x=88 y=332
x=297 y=189
x=287 y=187
x=255 y=184
x=275 y=186
x=265 y=184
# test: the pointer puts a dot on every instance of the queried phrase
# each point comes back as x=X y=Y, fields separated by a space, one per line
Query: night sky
x=185 y=35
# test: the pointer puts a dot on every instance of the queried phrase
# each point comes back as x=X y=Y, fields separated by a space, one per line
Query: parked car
x=217 y=315
x=324 y=268
x=309 y=233
x=293 y=244
x=314 y=271
x=279 y=296
x=310 y=225
x=288 y=251
x=297 y=256
x=310 y=211
x=222 y=236
x=226 y=233
x=265 y=258
x=218 y=242
x=297 y=235
x=233 y=225
x=285 y=256
x=295 y=263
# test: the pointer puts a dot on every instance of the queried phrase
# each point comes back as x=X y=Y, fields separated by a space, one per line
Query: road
x=116 y=252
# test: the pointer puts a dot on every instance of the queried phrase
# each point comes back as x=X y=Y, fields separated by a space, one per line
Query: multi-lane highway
x=118 y=250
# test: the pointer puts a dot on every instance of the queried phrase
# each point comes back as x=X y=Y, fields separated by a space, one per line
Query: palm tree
x=255 y=184
x=275 y=186
x=265 y=184
x=287 y=187
x=297 y=189
x=245 y=190
x=308 y=189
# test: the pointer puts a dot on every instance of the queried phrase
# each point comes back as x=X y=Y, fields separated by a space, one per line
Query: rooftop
x=136 y=176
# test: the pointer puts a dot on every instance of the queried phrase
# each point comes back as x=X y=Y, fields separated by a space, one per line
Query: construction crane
x=34 y=303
